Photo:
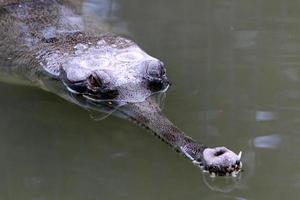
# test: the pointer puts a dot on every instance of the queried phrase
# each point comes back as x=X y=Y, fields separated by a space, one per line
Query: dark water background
x=235 y=67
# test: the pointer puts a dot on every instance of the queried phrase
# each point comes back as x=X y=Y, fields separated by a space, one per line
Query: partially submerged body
x=48 y=45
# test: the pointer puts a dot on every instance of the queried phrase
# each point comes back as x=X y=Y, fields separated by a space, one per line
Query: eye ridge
x=156 y=70
x=157 y=73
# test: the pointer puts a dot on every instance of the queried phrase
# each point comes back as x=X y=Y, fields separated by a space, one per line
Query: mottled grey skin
x=48 y=44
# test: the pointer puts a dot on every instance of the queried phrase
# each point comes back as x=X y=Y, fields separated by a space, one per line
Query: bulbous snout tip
x=222 y=161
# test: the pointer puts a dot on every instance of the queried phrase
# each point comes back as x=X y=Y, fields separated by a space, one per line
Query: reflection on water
x=105 y=11
x=267 y=142
x=235 y=71
x=222 y=184
x=265 y=116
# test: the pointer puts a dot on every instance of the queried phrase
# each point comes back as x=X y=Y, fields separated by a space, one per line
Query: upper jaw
x=222 y=161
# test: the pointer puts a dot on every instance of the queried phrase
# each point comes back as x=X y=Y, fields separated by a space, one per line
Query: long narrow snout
x=218 y=161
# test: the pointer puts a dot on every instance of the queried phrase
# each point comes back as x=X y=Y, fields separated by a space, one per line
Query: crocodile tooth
x=240 y=155
x=233 y=174
x=212 y=174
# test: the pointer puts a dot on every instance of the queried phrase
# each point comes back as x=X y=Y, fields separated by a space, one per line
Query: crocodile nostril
x=219 y=152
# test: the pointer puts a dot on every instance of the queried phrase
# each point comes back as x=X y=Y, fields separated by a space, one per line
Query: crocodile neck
x=41 y=30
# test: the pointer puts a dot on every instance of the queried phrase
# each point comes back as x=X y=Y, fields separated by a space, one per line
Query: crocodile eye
x=94 y=83
x=99 y=86
x=156 y=85
x=156 y=76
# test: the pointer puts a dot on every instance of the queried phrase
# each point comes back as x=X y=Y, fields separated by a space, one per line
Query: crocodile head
x=112 y=72
x=116 y=76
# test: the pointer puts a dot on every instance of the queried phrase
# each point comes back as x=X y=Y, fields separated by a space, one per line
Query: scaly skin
x=48 y=45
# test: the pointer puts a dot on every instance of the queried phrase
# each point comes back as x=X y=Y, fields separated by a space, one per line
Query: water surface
x=236 y=82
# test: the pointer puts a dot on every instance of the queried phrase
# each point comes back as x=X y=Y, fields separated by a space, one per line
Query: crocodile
x=48 y=44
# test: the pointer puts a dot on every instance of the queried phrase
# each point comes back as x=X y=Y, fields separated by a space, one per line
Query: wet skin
x=49 y=45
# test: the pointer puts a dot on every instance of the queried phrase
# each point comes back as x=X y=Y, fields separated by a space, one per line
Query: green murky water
x=235 y=67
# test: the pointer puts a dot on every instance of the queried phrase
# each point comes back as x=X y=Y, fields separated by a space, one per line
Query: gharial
x=46 y=43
